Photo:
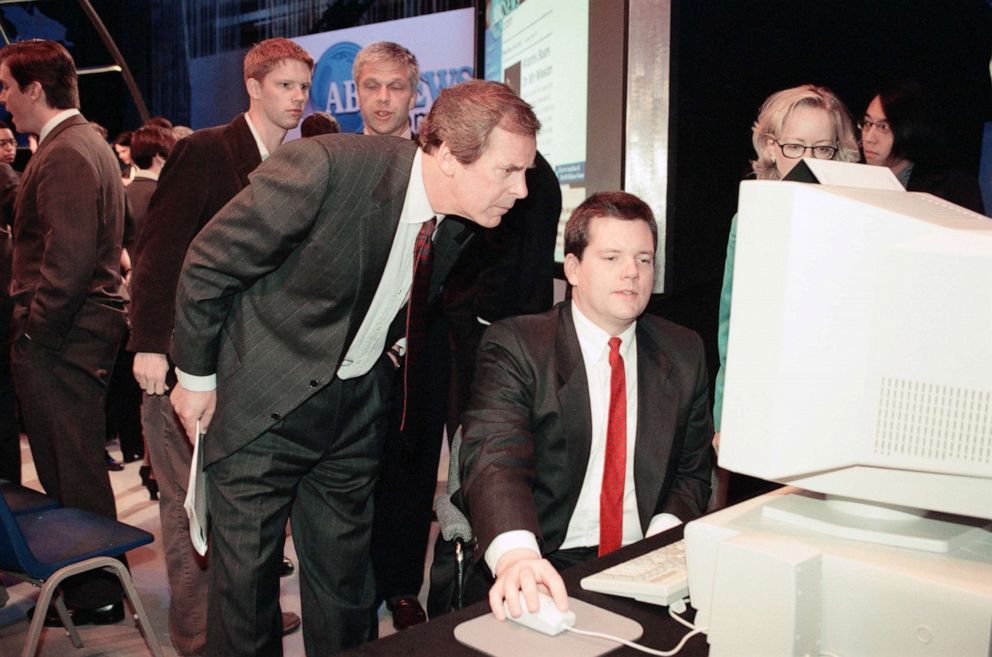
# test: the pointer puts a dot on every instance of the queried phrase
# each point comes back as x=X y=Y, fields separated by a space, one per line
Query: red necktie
x=416 y=309
x=615 y=463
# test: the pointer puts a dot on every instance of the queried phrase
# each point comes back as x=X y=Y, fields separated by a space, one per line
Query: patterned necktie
x=416 y=311
x=615 y=463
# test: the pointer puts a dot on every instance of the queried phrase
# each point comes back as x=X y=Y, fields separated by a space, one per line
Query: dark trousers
x=10 y=434
x=404 y=496
x=124 y=408
x=317 y=466
x=62 y=396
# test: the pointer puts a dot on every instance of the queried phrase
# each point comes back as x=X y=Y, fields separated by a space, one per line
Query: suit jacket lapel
x=246 y=155
x=376 y=231
x=656 y=401
x=573 y=398
x=452 y=236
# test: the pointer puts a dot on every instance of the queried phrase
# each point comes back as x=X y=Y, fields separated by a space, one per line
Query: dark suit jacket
x=137 y=196
x=10 y=180
x=948 y=184
x=509 y=270
x=67 y=239
x=275 y=287
x=202 y=173
x=527 y=431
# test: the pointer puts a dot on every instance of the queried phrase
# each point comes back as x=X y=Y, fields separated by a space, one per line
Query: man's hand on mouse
x=524 y=570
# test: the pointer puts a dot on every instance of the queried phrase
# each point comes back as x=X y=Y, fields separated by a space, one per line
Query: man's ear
x=35 y=91
x=446 y=160
x=572 y=269
x=413 y=99
x=254 y=88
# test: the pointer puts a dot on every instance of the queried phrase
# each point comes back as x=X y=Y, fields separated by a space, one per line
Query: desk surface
x=436 y=637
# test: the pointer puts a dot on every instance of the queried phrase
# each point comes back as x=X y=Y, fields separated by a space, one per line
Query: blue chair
x=25 y=500
x=46 y=547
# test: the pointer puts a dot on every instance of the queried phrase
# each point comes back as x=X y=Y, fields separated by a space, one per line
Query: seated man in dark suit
x=589 y=425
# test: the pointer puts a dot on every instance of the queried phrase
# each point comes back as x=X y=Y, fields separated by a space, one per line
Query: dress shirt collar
x=146 y=173
x=406 y=134
x=262 y=150
x=54 y=121
x=416 y=206
x=594 y=341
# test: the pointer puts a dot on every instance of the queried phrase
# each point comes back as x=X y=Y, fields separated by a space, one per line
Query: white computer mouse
x=546 y=620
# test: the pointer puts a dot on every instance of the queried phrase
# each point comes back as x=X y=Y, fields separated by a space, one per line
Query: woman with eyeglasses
x=801 y=122
x=902 y=130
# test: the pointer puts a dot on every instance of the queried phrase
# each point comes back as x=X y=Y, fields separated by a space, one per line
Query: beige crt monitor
x=859 y=370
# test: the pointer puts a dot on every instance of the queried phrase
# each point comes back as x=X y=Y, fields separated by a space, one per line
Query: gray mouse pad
x=508 y=639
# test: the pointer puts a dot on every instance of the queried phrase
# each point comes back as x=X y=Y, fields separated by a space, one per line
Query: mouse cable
x=651 y=651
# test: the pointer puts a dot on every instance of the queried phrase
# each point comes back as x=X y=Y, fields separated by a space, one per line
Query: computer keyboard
x=657 y=577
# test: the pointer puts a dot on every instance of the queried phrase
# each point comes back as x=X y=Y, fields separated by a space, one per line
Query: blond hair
x=779 y=106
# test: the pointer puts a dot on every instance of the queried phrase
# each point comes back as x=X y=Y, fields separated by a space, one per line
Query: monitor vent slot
x=934 y=422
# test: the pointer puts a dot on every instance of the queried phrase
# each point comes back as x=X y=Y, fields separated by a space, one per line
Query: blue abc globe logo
x=333 y=89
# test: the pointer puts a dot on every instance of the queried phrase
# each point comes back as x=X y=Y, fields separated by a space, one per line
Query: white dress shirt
x=263 y=152
x=394 y=286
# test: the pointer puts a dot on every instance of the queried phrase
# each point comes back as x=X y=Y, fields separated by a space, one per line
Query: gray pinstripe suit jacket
x=274 y=288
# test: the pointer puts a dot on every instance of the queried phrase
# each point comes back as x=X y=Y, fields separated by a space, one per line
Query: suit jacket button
x=275 y=416
x=314 y=383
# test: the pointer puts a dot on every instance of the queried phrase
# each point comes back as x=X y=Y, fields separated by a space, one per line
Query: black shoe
x=105 y=615
x=290 y=622
x=287 y=567
x=148 y=481
x=112 y=464
x=407 y=612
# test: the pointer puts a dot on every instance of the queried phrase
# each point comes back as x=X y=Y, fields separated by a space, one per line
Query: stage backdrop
x=443 y=43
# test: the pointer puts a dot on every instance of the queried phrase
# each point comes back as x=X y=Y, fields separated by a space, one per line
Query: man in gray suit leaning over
x=285 y=306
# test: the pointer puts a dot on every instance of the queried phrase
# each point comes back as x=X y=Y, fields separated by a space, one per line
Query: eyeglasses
x=883 y=126
x=8 y=142
x=796 y=151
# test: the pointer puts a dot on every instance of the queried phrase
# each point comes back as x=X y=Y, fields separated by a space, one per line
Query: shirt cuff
x=195 y=383
x=511 y=540
x=662 y=522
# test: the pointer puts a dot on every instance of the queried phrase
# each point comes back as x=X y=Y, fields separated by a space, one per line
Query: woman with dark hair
x=122 y=147
x=902 y=129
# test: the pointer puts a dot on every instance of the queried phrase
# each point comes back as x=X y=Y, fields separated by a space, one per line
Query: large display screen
x=542 y=48
x=597 y=74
